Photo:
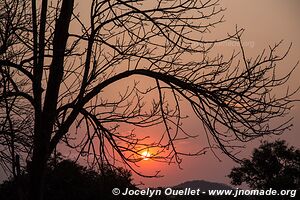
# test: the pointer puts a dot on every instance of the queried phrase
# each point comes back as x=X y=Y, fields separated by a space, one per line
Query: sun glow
x=146 y=155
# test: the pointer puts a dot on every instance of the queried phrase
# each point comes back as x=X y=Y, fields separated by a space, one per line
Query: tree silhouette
x=67 y=180
x=16 y=117
x=273 y=165
x=64 y=69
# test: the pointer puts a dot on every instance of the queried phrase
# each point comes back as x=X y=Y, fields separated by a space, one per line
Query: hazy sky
x=266 y=22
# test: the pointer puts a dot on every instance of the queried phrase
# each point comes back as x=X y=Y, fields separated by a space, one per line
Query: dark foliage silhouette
x=272 y=165
x=67 y=180
x=73 y=79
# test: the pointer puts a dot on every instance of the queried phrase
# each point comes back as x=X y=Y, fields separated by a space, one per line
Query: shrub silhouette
x=68 y=180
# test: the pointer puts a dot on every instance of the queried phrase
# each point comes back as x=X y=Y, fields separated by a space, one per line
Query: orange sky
x=266 y=22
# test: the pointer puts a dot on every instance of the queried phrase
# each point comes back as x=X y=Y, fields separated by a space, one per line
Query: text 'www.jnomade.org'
x=149 y=192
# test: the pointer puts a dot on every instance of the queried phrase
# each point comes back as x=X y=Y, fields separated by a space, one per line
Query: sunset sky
x=265 y=23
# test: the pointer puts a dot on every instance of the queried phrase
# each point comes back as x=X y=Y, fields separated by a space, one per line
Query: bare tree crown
x=56 y=68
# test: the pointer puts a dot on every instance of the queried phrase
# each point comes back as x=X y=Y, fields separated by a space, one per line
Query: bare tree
x=16 y=113
x=65 y=67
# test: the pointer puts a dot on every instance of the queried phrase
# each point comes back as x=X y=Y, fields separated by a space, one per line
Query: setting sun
x=146 y=155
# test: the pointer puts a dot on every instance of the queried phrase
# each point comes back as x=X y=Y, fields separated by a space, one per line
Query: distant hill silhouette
x=203 y=185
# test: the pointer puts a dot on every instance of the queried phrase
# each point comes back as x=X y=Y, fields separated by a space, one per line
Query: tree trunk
x=37 y=180
x=18 y=176
x=38 y=168
x=45 y=118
